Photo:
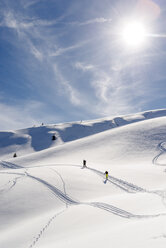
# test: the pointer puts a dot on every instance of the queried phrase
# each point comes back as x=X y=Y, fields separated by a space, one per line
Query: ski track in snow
x=123 y=185
x=10 y=184
x=63 y=182
x=36 y=239
x=9 y=165
x=126 y=186
x=66 y=199
x=62 y=196
x=162 y=151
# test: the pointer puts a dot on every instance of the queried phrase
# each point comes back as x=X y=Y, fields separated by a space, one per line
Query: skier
x=84 y=163
x=106 y=175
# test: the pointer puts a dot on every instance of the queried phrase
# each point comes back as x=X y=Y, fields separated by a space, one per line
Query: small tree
x=15 y=155
x=53 y=137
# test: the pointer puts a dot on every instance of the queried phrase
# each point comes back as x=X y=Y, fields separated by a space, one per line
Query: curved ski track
x=10 y=184
x=36 y=239
x=66 y=199
x=162 y=151
x=9 y=165
x=128 y=187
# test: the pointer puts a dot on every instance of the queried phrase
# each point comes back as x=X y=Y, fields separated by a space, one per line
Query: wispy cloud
x=38 y=55
x=83 y=66
x=43 y=50
x=20 y=23
x=18 y=116
x=71 y=60
x=99 y=20
x=95 y=20
x=60 y=51
x=11 y=21
x=113 y=91
x=29 y=3
x=66 y=88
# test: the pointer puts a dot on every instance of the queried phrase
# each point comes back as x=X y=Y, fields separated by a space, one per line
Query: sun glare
x=134 y=34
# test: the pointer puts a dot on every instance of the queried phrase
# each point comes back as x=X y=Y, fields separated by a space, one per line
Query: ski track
x=36 y=239
x=66 y=199
x=128 y=187
x=10 y=165
x=63 y=182
x=162 y=151
x=124 y=185
x=10 y=184
x=62 y=196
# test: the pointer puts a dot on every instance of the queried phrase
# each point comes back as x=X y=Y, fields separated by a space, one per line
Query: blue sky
x=65 y=60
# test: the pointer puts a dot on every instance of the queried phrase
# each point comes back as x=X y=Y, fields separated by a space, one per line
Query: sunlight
x=134 y=34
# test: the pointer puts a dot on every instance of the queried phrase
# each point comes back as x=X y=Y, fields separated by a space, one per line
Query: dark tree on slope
x=15 y=155
x=53 y=137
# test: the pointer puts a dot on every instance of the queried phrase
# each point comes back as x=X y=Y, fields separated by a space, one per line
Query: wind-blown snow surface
x=48 y=200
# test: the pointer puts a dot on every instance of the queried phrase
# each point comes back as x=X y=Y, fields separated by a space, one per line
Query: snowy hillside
x=49 y=200
x=38 y=138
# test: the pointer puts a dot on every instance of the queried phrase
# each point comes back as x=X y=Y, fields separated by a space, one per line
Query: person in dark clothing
x=84 y=164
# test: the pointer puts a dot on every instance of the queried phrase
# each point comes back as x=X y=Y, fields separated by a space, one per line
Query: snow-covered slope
x=49 y=200
x=38 y=138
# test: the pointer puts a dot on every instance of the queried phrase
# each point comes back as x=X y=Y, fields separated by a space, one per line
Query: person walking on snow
x=106 y=175
x=84 y=164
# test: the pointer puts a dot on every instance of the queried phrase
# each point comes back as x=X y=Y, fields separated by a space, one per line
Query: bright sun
x=134 y=34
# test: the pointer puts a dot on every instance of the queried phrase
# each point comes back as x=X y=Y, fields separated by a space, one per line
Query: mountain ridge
x=33 y=139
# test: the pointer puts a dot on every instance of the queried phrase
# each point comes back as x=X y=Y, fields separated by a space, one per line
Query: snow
x=49 y=200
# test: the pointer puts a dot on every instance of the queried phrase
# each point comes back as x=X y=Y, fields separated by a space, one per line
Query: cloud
x=74 y=23
x=114 y=94
x=14 y=117
x=21 y=23
x=83 y=66
x=11 y=21
x=60 y=51
x=101 y=82
x=26 y=114
x=38 y=55
x=97 y=20
x=42 y=50
x=65 y=87
x=24 y=30
x=29 y=3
